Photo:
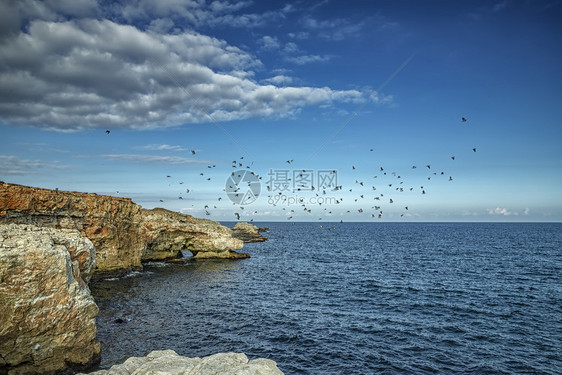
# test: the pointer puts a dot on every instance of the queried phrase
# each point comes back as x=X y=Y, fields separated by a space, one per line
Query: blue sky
x=336 y=86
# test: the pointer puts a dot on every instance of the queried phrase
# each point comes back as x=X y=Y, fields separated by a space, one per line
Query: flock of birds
x=369 y=197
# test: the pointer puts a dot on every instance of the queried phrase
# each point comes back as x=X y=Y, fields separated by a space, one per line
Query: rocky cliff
x=47 y=315
x=168 y=232
x=122 y=232
x=53 y=242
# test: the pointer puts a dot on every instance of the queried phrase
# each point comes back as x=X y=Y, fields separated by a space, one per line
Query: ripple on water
x=389 y=298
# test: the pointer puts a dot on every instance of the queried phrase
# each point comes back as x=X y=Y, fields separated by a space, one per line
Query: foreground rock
x=248 y=232
x=47 y=315
x=122 y=232
x=168 y=362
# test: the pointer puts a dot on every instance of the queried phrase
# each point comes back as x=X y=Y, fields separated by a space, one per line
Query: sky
x=289 y=110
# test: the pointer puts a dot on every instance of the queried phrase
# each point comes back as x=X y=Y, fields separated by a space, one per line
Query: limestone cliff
x=169 y=232
x=122 y=232
x=47 y=315
x=112 y=224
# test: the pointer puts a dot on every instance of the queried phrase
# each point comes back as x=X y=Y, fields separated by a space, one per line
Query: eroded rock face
x=248 y=232
x=168 y=362
x=169 y=232
x=112 y=224
x=122 y=232
x=47 y=315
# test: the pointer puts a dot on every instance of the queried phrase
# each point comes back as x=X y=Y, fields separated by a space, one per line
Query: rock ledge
x=248 y=232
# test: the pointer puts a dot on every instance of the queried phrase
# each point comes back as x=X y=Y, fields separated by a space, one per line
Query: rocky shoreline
x=248 y=233
x=53 y=243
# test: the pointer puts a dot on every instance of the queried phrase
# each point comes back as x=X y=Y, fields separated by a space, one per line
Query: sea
x=355 y=298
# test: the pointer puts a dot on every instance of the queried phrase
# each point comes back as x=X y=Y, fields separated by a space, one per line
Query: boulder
x=47 y=315
x=168 y=362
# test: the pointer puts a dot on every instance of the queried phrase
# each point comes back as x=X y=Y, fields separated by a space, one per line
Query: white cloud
x=89 y=73
x=335 y=29
x=307 y=59
x=196 y=13
x=506 y=212
x=499 y=211
x=161 y=147
x=291 y=47
x=12 y=165
x=154 y=159
x=269 y=42
x=279 y=80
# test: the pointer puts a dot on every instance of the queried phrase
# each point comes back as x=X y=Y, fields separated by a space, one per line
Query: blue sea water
x=362 y=298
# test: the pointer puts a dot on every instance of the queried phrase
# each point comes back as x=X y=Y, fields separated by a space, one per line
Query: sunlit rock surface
x=47 y=315
x=248 y=232
x=168 y=362
x=122 y=232
x=168 y=232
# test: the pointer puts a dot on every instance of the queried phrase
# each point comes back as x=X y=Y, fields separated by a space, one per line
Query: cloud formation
x=505 y=212
x=67 y=74
x=162 y=147
x=154 y=159
x=12 y=165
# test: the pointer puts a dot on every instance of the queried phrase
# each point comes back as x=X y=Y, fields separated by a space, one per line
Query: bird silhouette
x=192 y=152
x=474 y=149
x=463 y=119
x=107 y=132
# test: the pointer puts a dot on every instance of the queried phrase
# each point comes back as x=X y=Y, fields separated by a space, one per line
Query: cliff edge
x=248 y=232
x=122 y=232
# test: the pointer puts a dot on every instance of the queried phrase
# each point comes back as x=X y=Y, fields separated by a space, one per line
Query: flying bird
x=192 y=152
x=474 y=149
x=463 y=119
x=107 y=132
